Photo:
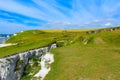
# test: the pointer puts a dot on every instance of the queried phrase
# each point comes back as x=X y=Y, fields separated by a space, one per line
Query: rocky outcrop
x=46 y=60
x=12 y=67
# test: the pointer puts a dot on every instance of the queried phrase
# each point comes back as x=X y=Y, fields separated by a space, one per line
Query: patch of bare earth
x=99 y=40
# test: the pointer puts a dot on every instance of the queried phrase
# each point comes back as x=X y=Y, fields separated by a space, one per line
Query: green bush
x=18 y=65
x=60 y=44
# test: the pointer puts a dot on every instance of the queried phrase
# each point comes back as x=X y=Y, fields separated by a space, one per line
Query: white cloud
x=108 y=24
x=12 y=6
x=58 y=16
x=13 y=27
x=50 y=9
x=97 y=21
x=111 y=19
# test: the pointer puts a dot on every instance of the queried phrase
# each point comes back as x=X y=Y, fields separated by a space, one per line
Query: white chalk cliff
x=46 y=60
x=12 y=66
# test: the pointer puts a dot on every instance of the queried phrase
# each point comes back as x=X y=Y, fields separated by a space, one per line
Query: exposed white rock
x=21 y=31
x=15 y=34
x=8 y=36
x=9 y=64
x=46 y=60
x=4 y=45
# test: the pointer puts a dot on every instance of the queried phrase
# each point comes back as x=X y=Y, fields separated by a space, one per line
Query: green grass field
x=80 y=56
x=76 y=62
x=97 y=60
x=34 y=39
x=27 y=40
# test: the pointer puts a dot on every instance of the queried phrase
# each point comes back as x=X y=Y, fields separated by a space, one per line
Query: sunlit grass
x=88 y=62
x=99 y=59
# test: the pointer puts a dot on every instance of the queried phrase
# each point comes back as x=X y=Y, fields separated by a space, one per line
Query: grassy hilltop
x=33 y=39
x=99 y=59
x=79 y=56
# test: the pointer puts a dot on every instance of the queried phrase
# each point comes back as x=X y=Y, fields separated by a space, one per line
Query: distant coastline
x=4 y=37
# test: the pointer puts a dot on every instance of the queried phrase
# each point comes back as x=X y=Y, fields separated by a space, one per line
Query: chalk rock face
x=12 y=67
x=46 y=60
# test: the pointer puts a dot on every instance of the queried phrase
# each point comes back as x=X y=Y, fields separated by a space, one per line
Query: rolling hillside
x=80 y=55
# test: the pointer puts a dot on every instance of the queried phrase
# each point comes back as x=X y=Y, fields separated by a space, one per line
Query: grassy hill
x=99 y=59
x=79 y=56
x=33 y=39
x=25 y=41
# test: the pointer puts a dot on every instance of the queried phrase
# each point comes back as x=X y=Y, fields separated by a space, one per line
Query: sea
x=2 y=40
x=4 y=37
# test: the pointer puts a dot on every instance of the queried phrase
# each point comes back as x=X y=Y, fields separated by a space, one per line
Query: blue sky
x=18 y=15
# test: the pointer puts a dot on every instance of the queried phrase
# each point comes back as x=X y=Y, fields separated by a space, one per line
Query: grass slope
x=98 y=60
x=80 y=56
x=34 y=39
x=27 y=40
